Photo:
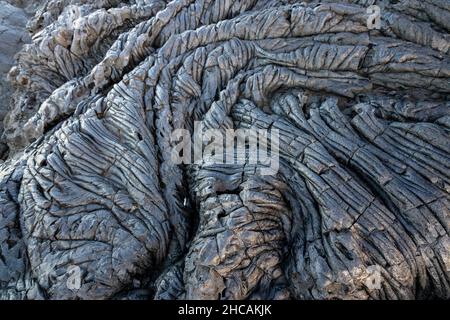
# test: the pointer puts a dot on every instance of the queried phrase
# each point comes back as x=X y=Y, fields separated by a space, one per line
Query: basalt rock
x=13 y=36
x=358 y=209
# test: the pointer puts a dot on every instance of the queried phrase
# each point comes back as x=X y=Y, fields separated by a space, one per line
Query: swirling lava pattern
x=364 y=176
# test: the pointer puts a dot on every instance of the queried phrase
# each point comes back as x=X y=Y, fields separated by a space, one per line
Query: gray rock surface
x=13 y=36
x=93 y=207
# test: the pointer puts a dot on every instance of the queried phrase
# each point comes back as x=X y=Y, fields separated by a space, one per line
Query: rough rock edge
x=364 y=174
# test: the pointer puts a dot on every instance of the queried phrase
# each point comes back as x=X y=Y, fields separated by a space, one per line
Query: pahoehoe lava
x=364 y=175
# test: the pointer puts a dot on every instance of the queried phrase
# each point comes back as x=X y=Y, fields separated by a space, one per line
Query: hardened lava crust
x=358 y=209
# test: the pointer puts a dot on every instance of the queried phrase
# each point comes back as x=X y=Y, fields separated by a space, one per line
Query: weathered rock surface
x=364 y=177
x=13 y=36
